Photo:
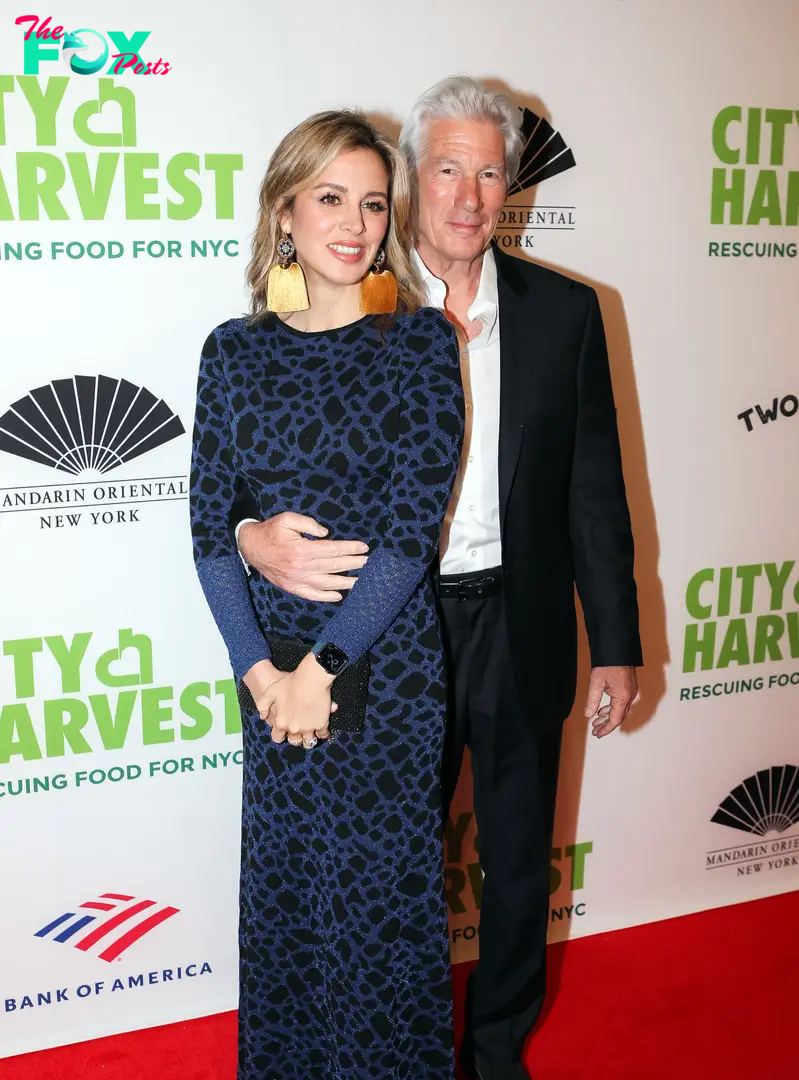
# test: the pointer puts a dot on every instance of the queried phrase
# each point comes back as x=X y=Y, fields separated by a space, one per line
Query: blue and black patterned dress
x=343 y=932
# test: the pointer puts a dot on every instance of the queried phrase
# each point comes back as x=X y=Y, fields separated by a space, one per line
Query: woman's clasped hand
x=296 y=705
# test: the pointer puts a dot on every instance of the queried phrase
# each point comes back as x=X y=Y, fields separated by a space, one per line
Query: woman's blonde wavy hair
x=298 y=160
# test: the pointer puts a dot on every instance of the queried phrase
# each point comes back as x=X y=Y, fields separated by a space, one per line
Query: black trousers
x=515 y=782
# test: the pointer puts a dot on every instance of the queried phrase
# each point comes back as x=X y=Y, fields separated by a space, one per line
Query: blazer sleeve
x=212 y=493
x=427 y=452
x=599 y=518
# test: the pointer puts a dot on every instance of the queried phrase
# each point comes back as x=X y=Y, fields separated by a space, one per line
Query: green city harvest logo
x=464 y=876
x=742 y=194
x=726 y=630
x=80 y=184
x=125 y=710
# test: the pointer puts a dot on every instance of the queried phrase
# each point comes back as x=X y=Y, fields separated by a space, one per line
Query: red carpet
x=707 y=997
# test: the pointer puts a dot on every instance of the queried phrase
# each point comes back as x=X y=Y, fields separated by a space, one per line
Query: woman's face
x=338 y=223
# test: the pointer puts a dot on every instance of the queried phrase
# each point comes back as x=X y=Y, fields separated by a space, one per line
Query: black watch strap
x=333 y=659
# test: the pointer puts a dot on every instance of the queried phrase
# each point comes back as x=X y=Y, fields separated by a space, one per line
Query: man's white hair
x=460 y=97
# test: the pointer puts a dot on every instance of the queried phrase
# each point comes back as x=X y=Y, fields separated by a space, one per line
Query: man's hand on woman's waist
x=312 y=569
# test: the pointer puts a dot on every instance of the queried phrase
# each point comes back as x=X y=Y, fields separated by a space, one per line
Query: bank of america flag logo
x=107 y=926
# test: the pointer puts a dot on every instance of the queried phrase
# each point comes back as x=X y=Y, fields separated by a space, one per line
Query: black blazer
x=563 y=508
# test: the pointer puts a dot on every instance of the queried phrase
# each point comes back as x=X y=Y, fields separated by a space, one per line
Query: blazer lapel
x=516 y=318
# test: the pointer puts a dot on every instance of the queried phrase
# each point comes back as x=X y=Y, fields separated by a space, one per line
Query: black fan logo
x=766 y=802
x=544 y=154
x=87 y=423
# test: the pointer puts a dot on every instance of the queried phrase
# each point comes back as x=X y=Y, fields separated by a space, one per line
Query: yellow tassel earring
x=379 y=289
x=285 y=283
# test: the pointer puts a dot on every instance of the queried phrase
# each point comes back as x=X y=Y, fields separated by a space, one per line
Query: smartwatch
x=333 y=659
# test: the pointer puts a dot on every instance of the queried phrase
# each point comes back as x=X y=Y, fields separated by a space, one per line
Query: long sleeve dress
x=344 y=959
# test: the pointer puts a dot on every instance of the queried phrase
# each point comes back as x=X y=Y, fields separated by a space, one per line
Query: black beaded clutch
x=349 y=691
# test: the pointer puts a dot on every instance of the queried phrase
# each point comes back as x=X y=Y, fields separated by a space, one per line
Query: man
x=539 y=506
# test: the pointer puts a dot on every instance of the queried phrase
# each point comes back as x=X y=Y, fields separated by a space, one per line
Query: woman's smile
x=349 y=253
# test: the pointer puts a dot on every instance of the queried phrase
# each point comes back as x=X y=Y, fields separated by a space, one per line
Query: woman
x=357 y=420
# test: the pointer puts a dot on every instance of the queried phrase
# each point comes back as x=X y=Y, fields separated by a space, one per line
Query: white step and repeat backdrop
x=127 y=200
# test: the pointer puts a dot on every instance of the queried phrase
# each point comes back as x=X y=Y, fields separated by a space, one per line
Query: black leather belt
x=474 y=586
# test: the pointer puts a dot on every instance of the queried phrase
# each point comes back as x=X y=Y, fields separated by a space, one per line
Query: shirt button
x=471 y=457
x=471 y=508
x=474 y=553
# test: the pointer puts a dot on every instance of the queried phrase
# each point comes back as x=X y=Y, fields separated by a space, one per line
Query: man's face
x=462 y=186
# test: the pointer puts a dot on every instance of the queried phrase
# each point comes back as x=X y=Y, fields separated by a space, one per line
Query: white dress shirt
x=470 y=539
